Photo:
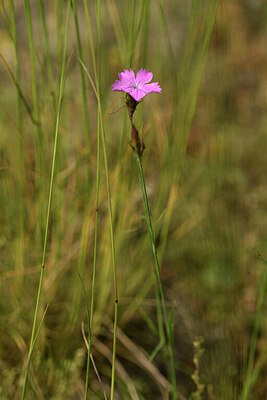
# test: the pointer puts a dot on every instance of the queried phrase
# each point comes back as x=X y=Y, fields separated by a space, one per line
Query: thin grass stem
x=114 y=267
x=96 y=89
x=249 y=379
x=157 y=272
x=131 y=34
x=32 y=341
x=36 y=113
x=146 y=30
x=20 y=252
x=200 y=27
x=138 y=25
x=48 y=56
x=82 y=76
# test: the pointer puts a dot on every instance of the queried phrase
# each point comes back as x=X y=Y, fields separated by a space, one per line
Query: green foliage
x=204 y=168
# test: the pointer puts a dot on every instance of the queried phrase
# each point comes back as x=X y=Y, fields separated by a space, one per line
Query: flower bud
x=136 y=143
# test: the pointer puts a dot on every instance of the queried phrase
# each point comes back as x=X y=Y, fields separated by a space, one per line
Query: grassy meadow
x=77 y=268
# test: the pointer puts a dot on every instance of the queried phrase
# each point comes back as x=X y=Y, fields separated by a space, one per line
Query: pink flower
x=137 y=87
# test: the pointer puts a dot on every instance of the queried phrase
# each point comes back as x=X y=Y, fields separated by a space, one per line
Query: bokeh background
x=205 y=169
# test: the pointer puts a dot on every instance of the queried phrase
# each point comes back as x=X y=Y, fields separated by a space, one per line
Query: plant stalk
x=33 y=336
x=157 y=273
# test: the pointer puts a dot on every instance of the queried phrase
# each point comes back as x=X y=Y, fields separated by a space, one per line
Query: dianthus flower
x=136 y=86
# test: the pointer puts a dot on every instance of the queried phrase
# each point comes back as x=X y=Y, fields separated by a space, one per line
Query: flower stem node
x=136 y=144
x=131 y=105
x=136 y=86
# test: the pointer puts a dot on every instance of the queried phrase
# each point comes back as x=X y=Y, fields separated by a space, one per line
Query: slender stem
x=172 y=61
x=36 y=113
x=146 y=30
x=48 y=56
x=114 y=349
x=92 y=50
x=96 y=89
x=33 y=337
x=96 y=76
x=59 y=38
x=131 y=34
x=253 y=344
x=94 y=265
x=90 y=322
x=20 y=259
x=113 y=256
x=86 y=223
x=137 y=31
x=83 y=83
x=114 y=268
x=157 y=272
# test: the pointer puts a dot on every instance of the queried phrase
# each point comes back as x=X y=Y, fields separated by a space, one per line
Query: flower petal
x=122 y=86
x=138 y=87
x=143 y=76
x=137 y=94
x=151 y=88
x=127 y=76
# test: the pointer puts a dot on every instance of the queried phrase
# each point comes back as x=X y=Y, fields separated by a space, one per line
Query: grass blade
x=32 y=342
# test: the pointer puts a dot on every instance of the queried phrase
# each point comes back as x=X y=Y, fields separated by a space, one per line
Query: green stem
x=96 y=76
x=113 y=255
x=59 y=38
x=112 y=252
x=94 y=266
x=32 y=342
x=36 y=113
x=146 y=31
x=86 y=225
x=20 y=252
x=131 y=34
x=83 y=83
x=48 y=56
x=250 y=373
x=172 y=61
x=157 y=272
x=96 y=89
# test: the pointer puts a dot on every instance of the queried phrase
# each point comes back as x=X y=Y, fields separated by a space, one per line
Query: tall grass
x=167 y=319
x=252 y=371
x=61 y=89
x=39 y=144
x=71 y=198
x=21 y=219
x=97 y=86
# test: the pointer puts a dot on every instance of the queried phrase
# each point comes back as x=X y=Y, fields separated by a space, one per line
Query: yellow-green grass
x=204 y=168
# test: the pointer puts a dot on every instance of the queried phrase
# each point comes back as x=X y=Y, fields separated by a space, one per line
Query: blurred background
x=205 y=169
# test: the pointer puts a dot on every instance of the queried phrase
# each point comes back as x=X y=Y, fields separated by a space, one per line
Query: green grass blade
x=103 y=140
x=48 y=56
x=146 y=31
x=250 y=373
x=82 y=76
x=96 y=91
x=32 y=342
x=200 y=26
x=39 y=144
x=131 y=34
x=157 y=272
x=21 y=188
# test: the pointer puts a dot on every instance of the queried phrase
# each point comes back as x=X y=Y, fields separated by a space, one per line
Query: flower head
x=136 y=86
